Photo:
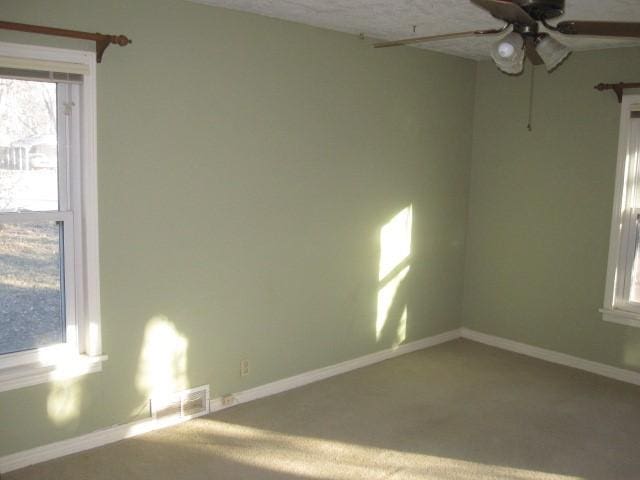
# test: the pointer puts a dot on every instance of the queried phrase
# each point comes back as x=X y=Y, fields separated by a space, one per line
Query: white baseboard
x=91 y=440
x=498 y=342
x=331 y=371
x=120 y=432
x=621 y=374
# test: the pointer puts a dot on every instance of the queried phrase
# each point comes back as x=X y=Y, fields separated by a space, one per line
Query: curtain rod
x=102 y=41
x=616 y=87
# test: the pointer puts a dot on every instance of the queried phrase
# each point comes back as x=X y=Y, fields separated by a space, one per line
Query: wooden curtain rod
x=102 y=41
x=616 y=87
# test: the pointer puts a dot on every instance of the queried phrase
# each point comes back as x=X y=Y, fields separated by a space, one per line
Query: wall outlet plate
x=244 y=368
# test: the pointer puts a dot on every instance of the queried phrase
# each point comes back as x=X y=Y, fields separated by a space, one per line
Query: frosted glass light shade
x=552 y=51
x=508 y=53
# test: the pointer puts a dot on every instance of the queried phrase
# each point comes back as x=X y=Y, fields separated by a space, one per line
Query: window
x=49 y=290
x=622 y=296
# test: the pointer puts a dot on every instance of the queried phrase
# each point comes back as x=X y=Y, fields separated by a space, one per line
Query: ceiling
x=394 y=19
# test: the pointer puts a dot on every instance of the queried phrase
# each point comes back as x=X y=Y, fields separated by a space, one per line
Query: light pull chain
x=531 y=91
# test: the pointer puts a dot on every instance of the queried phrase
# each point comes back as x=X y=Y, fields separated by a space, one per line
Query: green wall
x=540 y=207
x=246 y=166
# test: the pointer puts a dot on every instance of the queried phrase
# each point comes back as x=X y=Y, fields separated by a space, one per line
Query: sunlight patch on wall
x=386 y=296
x=162 y=369
x=402 y=328
x=395 y=242
x=65 y=395
x=395 y=251
x=63 y=401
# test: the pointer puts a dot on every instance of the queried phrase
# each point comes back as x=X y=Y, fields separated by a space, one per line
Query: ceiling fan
x=524 y=18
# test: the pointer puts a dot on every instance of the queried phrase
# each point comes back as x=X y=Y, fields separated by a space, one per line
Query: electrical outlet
x=244 y=368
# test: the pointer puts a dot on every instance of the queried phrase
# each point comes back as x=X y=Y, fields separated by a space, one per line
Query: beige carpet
x=456 y=411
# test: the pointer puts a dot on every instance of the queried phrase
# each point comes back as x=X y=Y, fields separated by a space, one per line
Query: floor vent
x=181 y=405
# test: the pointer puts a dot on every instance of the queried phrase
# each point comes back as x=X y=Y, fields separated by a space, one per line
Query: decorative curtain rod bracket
x=618 y=88
x=102 y=41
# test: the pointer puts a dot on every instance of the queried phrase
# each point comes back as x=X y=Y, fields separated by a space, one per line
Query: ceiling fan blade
x=506 y=10
x=530 y=50
x=410 y=41
x=606 y=29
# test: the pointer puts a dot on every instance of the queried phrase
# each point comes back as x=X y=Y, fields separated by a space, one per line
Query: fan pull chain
x=531 y=91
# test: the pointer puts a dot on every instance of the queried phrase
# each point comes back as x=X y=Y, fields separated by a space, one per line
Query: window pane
x=28 y=146
x=634 y=290
x=633 y=157
x=31 y=300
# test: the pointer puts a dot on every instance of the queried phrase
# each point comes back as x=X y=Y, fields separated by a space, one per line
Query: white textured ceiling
x=393 y=19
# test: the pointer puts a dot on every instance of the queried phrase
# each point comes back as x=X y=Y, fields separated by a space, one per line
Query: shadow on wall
x=393 y=271
x=162 y=368
x=631 y=353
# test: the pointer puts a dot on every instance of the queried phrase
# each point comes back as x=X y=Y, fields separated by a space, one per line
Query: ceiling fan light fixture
x=508 y=53
x=552 y=52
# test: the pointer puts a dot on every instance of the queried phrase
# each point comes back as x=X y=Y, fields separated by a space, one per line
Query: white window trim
x=62 y=362
x=616 y=307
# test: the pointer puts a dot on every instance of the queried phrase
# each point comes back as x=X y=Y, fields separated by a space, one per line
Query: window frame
x=82 y=351
x=625 y=224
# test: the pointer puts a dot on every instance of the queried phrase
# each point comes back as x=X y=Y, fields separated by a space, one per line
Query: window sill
x=33 y=374
x=621 y=317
